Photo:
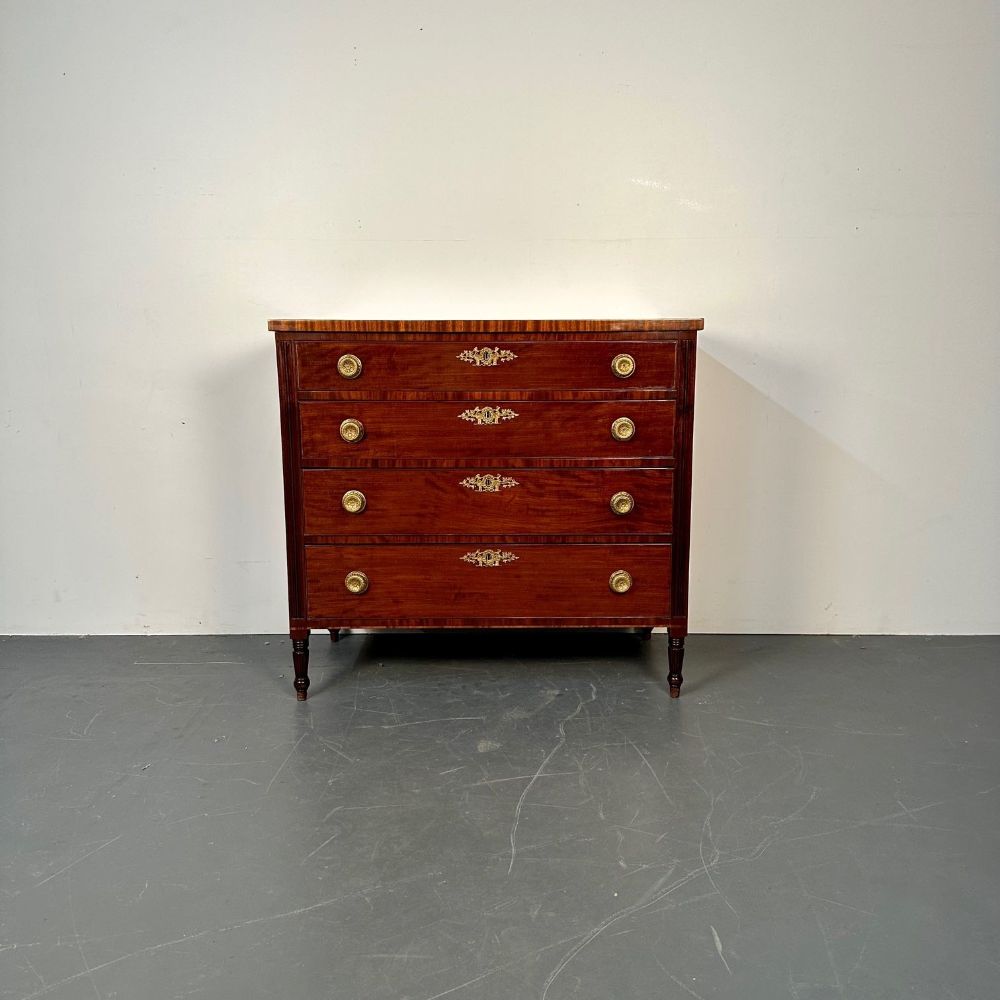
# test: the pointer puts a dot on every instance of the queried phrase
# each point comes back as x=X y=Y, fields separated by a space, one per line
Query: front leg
x=675 y=656
x=300 y=659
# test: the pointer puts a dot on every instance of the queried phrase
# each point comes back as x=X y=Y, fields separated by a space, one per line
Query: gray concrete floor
x=500 y=816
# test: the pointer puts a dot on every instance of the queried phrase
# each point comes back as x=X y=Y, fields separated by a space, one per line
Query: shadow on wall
x=776 y=505
x=242 y=475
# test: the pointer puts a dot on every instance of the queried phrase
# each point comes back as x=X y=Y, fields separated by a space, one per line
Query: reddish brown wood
x=676 y=656
x=290 y=450
x=510 y=461
x=493 y=538
x=425 y=580
x=512 y=326
x=484 y=395
x=419 y=521
x=428 y=429
x=300 y=662
x=439 y=621
x=537 y=501
x=682 y=492
x=437 y=366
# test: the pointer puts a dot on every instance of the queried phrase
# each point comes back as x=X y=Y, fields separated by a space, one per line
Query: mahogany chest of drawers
x=506 y=473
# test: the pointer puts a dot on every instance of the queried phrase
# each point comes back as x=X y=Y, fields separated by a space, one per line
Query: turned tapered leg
x=645 y=634
x=334 y=634
x=675 y=655
x=300 y=658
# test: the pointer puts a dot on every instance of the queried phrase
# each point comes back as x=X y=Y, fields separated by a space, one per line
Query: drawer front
x=486 y=500
x=436 y=365
x=524 y=429
x=518 y=581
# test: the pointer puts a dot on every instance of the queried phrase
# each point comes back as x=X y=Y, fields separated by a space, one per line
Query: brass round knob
x=622 y=503
x=621 y=581
x=349 y=365
x=623 y=365
x=352 y=430
x=353 y=501
x=621 y=430
x=356 y=582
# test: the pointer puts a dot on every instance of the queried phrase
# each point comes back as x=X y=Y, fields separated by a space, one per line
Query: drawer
x=486 y=500
x=525 y=429
x=515 y=581
x=444 y=365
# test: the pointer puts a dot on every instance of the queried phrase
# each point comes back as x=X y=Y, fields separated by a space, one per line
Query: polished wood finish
x=676 y=658
x=677 y=327
x=420 y=528
x=536 y=501
x=425 y=580
x=290 y=450
x=429 y=429
x=300 y=662
x=436 y=365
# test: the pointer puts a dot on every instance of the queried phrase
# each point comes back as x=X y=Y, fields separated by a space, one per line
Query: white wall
x=819 y=180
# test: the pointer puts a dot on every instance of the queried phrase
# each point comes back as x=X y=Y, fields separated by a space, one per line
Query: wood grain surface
x=417 y=461
x=429 y=580
x=541 y=501
x=551 y=326
x=428 y=429
x=437 y=365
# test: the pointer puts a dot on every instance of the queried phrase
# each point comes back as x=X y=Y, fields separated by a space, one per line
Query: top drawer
x=453 y=365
